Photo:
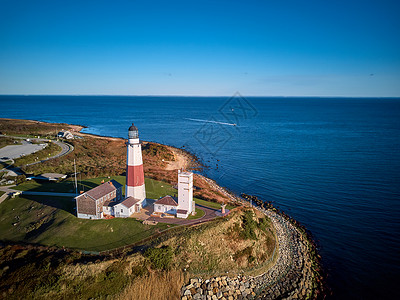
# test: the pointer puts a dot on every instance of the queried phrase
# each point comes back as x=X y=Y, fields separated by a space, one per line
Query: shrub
x=249 y=225
x=20 y=179
x=264 y=224
x=160 y=258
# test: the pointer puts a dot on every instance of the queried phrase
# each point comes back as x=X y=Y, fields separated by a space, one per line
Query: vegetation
x=218 y=247
x=51 y=221
x=211 y=204
x=31 y=273
x=157 y=273
x=31 y=128
x=158 y=151
x=199 y=213
x=5 y=141
x=160 y=258
x=249 y=226
x=50 y=150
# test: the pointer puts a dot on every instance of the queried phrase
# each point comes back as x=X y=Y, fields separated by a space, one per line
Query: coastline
x=296 y=272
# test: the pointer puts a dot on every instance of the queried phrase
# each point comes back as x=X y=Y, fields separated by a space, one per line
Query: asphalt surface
x=210 y=213
x=16 y=151
x=65 y=149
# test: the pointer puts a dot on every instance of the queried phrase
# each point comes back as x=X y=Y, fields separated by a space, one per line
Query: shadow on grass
x=31 y=235
x=64 y=203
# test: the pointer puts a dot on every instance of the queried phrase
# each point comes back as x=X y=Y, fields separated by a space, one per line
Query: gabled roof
x=130 y=201
x=103 y=189
x=167 y=200
x=110 y=203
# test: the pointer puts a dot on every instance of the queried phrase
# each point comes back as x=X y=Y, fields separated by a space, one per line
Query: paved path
x=65 y=149
x=7 y=190
x=209 y=215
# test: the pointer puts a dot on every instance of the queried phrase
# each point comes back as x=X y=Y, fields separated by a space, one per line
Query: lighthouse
x=134 y=168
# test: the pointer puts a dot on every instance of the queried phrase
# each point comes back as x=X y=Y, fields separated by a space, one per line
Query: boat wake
x=210 y=121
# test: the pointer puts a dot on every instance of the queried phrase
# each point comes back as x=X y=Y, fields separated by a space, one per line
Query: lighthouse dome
x=133 y=132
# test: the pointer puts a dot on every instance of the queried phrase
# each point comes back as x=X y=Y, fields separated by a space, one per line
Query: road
x=17 y=150
x=65 y=149
x=210 y=213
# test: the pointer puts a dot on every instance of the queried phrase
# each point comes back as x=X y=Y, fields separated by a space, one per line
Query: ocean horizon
x=332 y=163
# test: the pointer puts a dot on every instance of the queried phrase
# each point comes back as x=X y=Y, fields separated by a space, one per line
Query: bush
x=20 y=179
x=264 y=224
x=249 y=225
x=160 y=258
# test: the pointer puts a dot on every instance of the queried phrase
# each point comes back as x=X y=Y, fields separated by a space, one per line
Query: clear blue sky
x=267 y=48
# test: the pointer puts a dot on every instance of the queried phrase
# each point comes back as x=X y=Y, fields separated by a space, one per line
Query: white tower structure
x=185 y=192
x=134 y=168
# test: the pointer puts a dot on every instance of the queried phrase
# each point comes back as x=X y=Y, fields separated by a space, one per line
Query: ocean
x=331 y=163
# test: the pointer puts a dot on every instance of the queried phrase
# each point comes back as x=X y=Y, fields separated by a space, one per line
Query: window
x=122 y=210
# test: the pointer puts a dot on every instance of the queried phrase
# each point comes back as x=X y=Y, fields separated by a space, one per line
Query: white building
x=127 y=207
x=166 y=205
x=185 y=204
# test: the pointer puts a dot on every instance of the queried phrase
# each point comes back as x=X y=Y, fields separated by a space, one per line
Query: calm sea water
x=332 y=163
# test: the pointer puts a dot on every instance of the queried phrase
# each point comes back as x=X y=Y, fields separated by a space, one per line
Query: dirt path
x=181 y=160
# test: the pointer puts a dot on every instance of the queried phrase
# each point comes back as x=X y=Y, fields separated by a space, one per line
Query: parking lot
x=16 y=151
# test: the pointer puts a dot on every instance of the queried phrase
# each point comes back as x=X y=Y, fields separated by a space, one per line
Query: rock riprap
x=291 y=277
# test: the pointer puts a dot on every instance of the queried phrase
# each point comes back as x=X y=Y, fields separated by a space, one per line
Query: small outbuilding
x=167 y=204
x=51 y=176
x=127 y=207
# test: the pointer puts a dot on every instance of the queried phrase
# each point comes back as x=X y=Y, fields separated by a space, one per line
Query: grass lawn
x=154 y=189
x=199 y=214
x=51 y=221
x=211 y=204
x=1 y=193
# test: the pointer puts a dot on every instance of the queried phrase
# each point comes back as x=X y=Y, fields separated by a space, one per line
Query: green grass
x=199 y=214
x=51 y=221
x=5 y=141
x=2 y=193
x=211 y=204
x=66 y=186
x=51 y=150
x=154 y=188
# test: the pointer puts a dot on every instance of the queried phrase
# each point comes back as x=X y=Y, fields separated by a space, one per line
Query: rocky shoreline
x=295 y=274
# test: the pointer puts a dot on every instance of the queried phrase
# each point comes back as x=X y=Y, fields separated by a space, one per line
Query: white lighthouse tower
x=186 y=204
x=134 y=168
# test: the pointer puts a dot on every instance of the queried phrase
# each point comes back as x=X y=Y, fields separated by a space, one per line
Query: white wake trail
x=210 y=121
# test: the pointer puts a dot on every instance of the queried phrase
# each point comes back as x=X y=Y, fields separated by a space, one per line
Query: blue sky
x=266 y=48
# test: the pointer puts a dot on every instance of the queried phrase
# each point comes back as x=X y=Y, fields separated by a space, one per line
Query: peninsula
x=252 y=252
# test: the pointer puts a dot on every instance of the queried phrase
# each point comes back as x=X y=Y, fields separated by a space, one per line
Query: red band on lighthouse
x=134 y=175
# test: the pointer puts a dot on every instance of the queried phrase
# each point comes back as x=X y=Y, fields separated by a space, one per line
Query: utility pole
x=76 y=183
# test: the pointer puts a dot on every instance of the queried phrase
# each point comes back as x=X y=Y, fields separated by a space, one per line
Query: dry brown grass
x=217 y=248
x=155 y=286
x=103 y=156
x=82 y=271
